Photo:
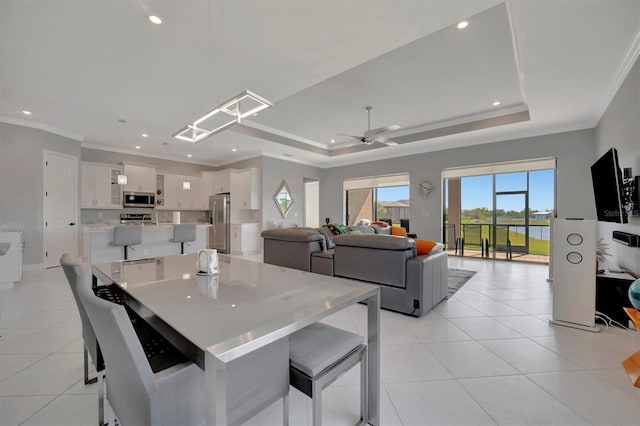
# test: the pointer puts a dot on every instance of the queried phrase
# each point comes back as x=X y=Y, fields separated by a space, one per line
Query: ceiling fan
x=371 y=136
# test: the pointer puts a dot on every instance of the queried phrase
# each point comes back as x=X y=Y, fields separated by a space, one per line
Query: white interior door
x=312 y=204
x=60 y=211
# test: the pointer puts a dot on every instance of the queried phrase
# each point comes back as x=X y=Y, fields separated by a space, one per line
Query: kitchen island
x=155 y=242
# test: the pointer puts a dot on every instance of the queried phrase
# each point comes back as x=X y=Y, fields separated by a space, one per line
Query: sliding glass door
x=496 y=214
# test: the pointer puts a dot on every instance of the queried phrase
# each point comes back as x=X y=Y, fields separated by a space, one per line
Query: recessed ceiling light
x=25 y=112
x=333 y=141
x=234 y=150
x=154 y=19
x=189 y=155
x=462 y=25
x=144 y=135
x=495 y=103
x=137 y=146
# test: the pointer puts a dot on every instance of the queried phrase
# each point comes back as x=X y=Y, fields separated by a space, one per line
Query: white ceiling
x=81 y=65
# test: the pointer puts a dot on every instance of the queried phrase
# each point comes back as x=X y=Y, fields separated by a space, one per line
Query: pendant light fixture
x=226 y=115
x=230 y=112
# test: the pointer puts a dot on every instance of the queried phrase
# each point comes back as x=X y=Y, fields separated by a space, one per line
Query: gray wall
x=108 y=157
x=619 y=127
x=21 y=180
x=574 y=152
x=274 y=171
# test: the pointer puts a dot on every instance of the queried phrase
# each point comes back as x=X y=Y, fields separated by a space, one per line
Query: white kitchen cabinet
x=140 y=179
x=223 y=181
x=245 y=238
x=99 y=187
x=245 y=189
x=178 y=198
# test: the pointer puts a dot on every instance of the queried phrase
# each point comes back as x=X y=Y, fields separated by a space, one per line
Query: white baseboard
x=33 y=267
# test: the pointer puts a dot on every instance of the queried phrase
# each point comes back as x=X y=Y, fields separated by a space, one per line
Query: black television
x=608 y=188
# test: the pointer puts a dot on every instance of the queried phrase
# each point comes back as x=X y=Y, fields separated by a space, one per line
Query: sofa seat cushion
x=382 y=242
x=326 y=254
x=300 y=235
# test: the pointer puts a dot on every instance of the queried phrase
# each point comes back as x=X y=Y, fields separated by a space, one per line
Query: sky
x=393 y=193
x=477 y=191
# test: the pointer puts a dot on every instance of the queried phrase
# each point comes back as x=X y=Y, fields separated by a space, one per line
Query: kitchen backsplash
x=90 y=216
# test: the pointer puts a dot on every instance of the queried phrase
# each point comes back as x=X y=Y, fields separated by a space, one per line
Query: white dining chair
x=136 y=394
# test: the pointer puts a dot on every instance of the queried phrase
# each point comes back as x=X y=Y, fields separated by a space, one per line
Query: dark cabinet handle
x=72 y=223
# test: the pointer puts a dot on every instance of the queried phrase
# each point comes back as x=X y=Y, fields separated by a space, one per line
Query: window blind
x=508 y=167
x=376 y=181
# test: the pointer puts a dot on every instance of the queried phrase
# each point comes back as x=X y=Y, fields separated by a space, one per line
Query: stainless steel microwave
x=138 y=199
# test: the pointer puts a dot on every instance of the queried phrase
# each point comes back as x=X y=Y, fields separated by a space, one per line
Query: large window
x=377 y=198
x=501 y=211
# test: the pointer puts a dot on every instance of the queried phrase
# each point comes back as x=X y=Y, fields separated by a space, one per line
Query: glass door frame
x=517 y=249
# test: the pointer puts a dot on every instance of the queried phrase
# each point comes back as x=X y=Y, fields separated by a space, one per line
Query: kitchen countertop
x=101 y=226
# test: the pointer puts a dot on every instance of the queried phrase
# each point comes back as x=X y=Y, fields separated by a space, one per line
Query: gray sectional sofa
x=409 y=283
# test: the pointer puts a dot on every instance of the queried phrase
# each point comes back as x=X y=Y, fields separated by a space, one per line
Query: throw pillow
x=424 y=246
x=342 y=229
x=399 y=231
x=380 y=223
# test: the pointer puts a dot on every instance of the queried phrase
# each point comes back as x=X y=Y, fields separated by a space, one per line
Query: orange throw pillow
x=424 y=246
x=399 y=231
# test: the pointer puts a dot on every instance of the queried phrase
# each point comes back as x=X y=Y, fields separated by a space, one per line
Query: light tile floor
x=487 y=356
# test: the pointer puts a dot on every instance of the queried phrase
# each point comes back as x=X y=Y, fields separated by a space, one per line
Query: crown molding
x=41 y=126
x=146 y=154
x=620 y=75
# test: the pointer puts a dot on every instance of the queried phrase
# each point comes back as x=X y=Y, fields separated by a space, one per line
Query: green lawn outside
x=536 y=246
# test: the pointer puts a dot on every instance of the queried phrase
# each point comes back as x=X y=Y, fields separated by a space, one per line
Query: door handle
x=72 y=223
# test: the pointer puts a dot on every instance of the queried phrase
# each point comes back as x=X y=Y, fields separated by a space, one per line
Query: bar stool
x=318 y=355
x=125 y=236
x=183 y=234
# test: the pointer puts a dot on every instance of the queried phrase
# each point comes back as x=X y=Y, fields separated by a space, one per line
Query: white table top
x=246 y=306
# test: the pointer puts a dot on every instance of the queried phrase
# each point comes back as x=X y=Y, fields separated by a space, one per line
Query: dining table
x=234 y=324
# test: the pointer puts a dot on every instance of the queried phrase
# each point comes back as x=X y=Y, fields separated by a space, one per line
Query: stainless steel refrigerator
x=219 y=234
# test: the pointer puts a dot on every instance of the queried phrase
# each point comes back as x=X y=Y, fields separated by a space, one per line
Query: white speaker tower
x=574 y=273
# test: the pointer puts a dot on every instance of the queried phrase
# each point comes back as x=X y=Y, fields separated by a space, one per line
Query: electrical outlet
x=416 y=304
x=99 y=214
x=146 y=252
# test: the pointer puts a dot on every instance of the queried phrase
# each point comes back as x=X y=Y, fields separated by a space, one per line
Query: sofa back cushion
x=385 y=267
x=382 y=242
x=362 y=229
x=328 y=237
x=379 y=259
x=381 y=229
x=299 y=235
